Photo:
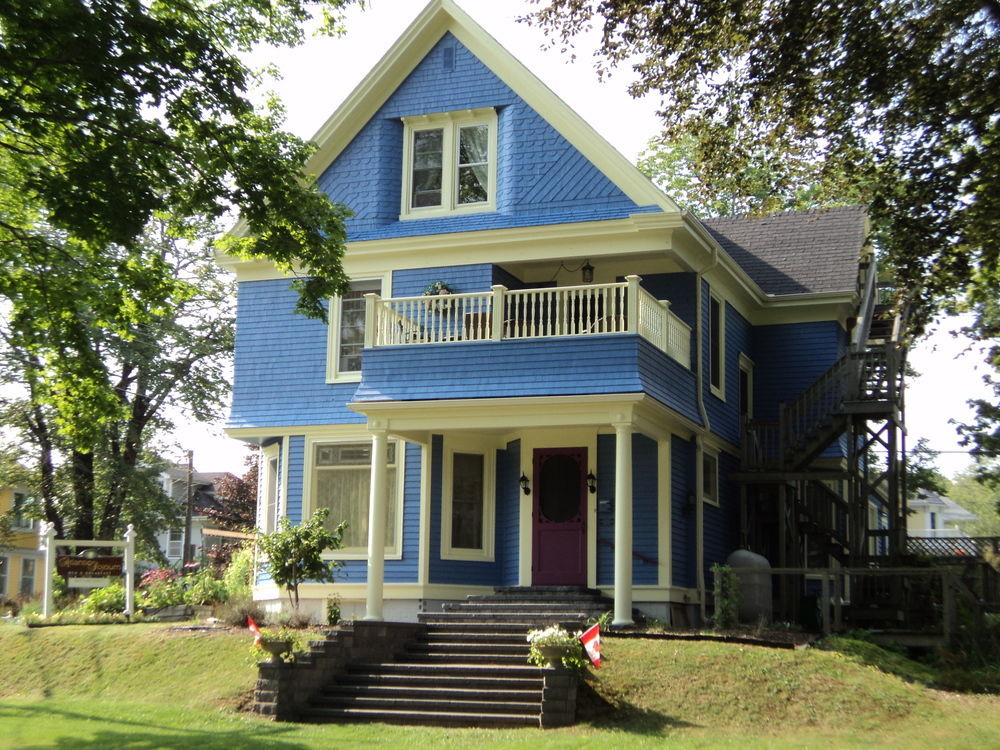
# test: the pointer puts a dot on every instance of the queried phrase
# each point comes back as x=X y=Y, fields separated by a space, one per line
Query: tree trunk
x=83 y=492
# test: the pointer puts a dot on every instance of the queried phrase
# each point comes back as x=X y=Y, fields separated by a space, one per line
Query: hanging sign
x=92 y=567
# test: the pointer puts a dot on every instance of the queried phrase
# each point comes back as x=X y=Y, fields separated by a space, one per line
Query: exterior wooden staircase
x=469 y=668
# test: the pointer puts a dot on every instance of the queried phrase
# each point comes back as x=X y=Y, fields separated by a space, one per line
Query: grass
x=149 y=686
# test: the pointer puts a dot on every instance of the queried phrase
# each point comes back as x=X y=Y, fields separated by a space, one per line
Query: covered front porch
x=563 y=503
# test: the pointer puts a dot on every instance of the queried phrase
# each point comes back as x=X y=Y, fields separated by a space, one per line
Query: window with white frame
x=347 y=330
x=269 y=485
x=746 y=387
x=27 y=577
x=710 y=477
x=21 y=512
x=341 y=482
x=468 y=501
x=4 y=566
x=449 y=163
x=175 y=544
x=716 y=345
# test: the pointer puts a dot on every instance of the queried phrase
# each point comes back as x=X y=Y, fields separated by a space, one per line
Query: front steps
x=470 y=668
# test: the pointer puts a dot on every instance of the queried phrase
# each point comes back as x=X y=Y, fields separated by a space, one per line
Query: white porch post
x=48 y=540
x=377 y=507
x=623 y=525
x=130 y=570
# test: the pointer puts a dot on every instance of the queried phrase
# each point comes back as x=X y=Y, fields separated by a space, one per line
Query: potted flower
x=554 y=645
x=280 y=645
x=437 y=289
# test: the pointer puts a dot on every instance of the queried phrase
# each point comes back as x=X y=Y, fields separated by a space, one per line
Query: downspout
x=699 y=506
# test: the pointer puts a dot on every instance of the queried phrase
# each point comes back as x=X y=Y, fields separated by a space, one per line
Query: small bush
x=204 y=588
x=161 y=593
x=239 y=573
x=236 y=610
x=109 y=600
x=727 y=597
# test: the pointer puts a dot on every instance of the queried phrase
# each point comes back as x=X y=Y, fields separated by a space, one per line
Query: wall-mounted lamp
x=591 y=482
x=525 y=488
x=588 y=272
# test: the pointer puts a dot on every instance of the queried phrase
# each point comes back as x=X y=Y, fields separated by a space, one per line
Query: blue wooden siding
x=539 y=367
x=470 y=278
x=682 y=530
x=722 y=524
x=508 y=500
x=788 y=358
x=724 y=415
x=541 y=178
x=280 y=368
x=645 y=547
x=452 y=571
x=296 y=457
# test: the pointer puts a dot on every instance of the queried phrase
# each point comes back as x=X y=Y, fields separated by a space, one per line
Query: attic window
x=449 y=163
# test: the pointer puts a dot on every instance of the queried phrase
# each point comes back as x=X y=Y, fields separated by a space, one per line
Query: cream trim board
x=333 y=375
x=488 y=451
x=395 y=549
x=664 y=515
x=270 y=464
x=716 y=350
x=450 y=124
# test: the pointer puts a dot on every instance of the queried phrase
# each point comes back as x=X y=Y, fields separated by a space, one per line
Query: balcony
x=502 y=314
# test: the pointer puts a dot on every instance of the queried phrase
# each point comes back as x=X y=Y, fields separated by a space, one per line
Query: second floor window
x=21 y=516
x=449 y=163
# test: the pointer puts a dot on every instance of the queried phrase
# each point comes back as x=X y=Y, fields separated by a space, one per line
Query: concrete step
x=457 y=648
x=526 y=607
x=435 y=680
x=404 y=669
x=454 y=635
x=449 y=658
x=528 y=620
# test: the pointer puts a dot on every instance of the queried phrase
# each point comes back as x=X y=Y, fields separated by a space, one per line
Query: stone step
x=526 y=607
x=430 y=718
x=451 y=658
x=467 y=693
x=452 y=635
x=528 y=619
x=457 y=648
x=407 y=701
x=434 y=679
x=484 y=627
x=447 y=670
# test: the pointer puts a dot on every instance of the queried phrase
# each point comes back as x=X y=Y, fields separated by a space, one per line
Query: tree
x=898 y=98
x=294 y=553
x=173 y=355
x=979 y=498
x=113 y=114
x=921 y=471
x=236 y=498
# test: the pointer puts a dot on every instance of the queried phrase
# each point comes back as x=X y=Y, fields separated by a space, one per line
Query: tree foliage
x=90 y=435
x=115 y=114
x=900 y=99
x=979 y=498
x=295 y=553
x=236 y=498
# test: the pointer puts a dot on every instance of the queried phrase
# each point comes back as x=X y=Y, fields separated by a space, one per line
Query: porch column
x=377 y=506
x=623 y=525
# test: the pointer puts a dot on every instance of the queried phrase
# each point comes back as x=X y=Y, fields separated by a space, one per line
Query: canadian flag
x=254 y=629
x=591 y=640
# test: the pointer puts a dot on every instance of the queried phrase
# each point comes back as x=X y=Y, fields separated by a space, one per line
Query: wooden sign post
x=90 y=568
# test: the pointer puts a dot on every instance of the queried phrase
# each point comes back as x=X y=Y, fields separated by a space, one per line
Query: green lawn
x=148 y=686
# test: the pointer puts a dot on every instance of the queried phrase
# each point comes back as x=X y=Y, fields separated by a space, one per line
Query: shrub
x=204 y=588
x=295 y=553
x=109 y=600
x=161 y=593
x=727 y=597
x=239 y=573
x=236 y=610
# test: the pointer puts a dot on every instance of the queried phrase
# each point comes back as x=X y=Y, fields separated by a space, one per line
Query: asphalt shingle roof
x=797 y=251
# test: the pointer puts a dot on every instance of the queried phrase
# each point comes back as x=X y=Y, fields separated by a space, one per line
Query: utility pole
x=186 y=558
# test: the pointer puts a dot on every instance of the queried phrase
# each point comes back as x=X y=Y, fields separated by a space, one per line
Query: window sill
x=467 y=555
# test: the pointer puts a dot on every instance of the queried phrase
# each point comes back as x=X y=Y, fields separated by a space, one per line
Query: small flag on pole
x=254 y=629
x=591 y=640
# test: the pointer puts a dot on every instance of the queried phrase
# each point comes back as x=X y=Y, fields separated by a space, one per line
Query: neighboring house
x=21 y=562
x=545 y=372
x=174 y=482
x=933 y=515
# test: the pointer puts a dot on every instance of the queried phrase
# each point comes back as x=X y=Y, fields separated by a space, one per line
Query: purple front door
x=559 y=541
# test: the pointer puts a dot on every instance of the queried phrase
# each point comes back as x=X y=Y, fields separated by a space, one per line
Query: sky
x=320 y=74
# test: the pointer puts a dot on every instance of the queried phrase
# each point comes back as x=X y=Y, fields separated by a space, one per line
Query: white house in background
x=933 y=515
x=174 y=483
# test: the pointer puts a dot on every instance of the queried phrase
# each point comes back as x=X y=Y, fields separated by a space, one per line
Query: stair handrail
x=867 y=303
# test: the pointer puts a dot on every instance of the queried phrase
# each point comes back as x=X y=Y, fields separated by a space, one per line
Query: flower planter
x=276 y=648
x=554 y=654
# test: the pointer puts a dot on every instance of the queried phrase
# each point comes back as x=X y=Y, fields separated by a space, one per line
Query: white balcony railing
x=502 y=314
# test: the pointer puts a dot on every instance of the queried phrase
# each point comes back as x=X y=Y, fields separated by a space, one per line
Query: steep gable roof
x=796 y=252
x=438 y=18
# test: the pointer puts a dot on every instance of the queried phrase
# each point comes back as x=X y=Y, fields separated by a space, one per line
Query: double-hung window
x=341 y=482
x=717 y=345
x=27 y=577
x=347 y=330
x=710 y=477
x=450 y=163
x=21 y=512
x=175 y=544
